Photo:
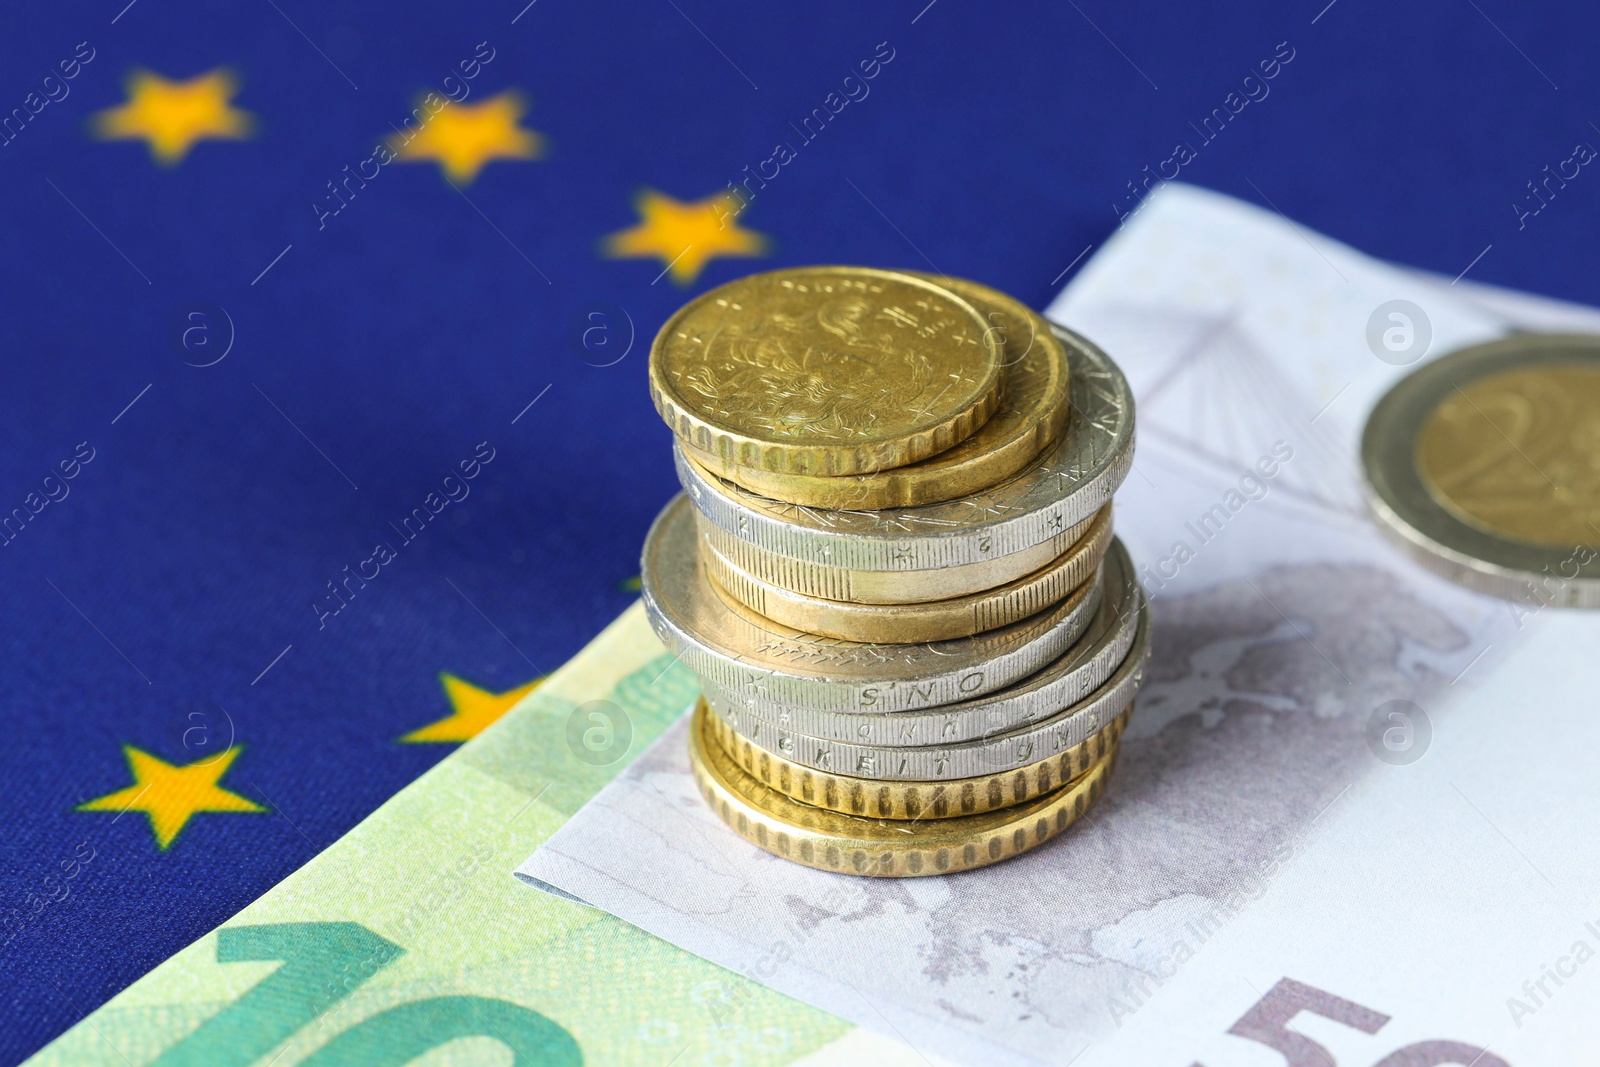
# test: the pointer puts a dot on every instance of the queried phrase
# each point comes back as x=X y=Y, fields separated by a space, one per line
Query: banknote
x=1353 y=815
x=409 y=938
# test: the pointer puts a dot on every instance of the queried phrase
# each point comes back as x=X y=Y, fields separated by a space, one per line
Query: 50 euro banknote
x=1352 y=823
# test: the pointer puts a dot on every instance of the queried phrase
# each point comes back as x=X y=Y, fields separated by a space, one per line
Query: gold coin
x=933 y=620
x=1484 y=467
x=1518 y=453
x=1029 y=421
x=832 y=841
x=876 y=799
x=885 y=587
x=825 y=370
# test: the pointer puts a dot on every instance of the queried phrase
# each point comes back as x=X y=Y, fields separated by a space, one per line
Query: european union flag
x=324 y=421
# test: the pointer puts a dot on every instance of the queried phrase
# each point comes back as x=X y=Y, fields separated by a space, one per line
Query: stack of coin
x=892 y=568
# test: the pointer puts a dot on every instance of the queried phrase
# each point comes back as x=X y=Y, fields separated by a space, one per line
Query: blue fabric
x=152 y=603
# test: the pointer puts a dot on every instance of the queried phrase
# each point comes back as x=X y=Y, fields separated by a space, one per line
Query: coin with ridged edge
x=848 y=844
x=1481 y=465
x=934 y=620
x=1061 y=732
x=826 y=370
x=1029 y=420
x=916 y=800
x=743 y=653
x=1053 y=493
x=1081 y=670
x=885 y=587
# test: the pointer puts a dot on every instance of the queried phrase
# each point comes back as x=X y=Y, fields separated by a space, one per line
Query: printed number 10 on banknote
x=322 y=963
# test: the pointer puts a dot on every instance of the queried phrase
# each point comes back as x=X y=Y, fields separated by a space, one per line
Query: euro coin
x=1029 y=420
x=746 y=654
x=848 y=844
x=885 y=587
x=876 y=799
x=1061 y=732
x=1484 y=466
x=1052 y=494
x=936 y=620
x=1081 y=670
x=826 y=370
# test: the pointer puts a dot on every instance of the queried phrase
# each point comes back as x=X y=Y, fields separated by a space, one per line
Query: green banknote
x=409 y=941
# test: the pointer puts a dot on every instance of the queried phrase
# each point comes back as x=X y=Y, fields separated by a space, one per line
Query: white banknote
x=1355 y=820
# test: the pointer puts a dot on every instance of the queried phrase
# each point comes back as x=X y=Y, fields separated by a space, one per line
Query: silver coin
x=733 y=649
x=969 y=759
x=886 y=587
x=939 y=620
x=1081 y=670
x=1055 y=493
x=1480 y=466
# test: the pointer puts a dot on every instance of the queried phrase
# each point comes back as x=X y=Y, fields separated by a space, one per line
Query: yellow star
x=172 y=116
x=463 y=137
x=170 y=795
x=685 y=235
x=475 y=709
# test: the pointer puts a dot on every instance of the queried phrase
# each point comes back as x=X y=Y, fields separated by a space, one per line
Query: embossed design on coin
x=944 y=799
x=891 y=848
x=1518 y=453
x=887 y=587
x=1079 y=671
x=1484 y=466
x=1056 y=491
x=744 y=654
x=1030 y=420
x=825 y=370
x=1062 y=731
x=933 y=620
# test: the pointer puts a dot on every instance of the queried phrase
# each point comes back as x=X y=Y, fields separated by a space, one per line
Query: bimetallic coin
x=1484 y=465
x=936 y=620
x=1080 y=671
x=1054 y=493
x=916 y=800
x=831 y=841
x=1060 y=733
x=826 y=370
x=1029 y=420
x=885 y=587
x=731 y=647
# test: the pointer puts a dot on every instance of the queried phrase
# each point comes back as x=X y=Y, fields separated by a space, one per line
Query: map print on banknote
x=1281 y=630
x=1255 y=733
